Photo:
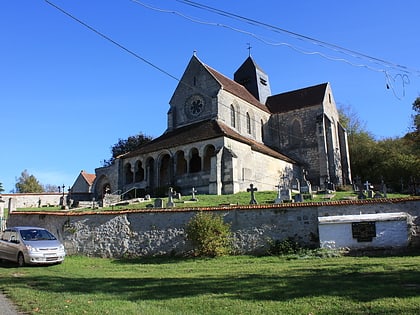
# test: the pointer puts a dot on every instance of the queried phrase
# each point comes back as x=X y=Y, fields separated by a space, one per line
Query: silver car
x=30 y=245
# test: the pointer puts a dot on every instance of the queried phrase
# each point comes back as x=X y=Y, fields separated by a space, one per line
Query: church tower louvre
x=254 y=79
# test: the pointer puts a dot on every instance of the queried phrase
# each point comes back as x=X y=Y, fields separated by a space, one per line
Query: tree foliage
x=27 y=183
x=394 y=161
x=209 y=234
x=127 y=145
x=1 y=188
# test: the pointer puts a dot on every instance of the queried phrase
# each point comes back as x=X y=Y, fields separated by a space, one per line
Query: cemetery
x=158 y=228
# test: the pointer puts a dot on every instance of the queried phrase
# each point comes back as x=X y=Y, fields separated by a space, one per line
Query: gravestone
x=305 y=187
x=359 y=186
x=295 y=185
x=170 y=202
x=384 y=189
x=252 y=189
x=278 y=198
x=298 y=198
x=369 y=192
x=193 y=191
x=285 y=194
x=158 y=203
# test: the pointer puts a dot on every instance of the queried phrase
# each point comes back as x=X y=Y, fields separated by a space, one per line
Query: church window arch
x=195 y=161
x=139 y=174
x=248 y=123
x=208 y=154
x=181 y=163
x=296 y=135
x=128 y=173
x=262 y=130
x=232 y=116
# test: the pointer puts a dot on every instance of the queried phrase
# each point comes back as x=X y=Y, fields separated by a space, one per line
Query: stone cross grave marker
x=193 y=191
x=368 y=190
x=252 y=189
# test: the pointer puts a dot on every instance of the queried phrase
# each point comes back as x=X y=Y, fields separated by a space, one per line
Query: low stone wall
x=32 y=200
x=162 y=232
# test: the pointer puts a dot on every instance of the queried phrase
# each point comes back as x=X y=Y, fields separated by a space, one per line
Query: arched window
x=195 y=161
x=165 y=170
x=139 y=175
x=232 y=116
x=262 y=130
x=296 y=133
x=209 y=152
x=128 y=174
x=181 y=163
x=248 y=123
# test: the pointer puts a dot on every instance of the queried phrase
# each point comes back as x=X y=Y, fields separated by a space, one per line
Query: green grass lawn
x=226 y=285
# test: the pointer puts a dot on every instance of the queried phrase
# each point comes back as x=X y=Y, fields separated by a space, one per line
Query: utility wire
x=304 y=37
x=256 y=123
x=111 y=40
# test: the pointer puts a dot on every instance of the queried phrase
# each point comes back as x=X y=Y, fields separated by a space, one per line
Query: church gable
x=193 y=98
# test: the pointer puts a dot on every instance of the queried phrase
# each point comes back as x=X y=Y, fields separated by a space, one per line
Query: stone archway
x=165 y=171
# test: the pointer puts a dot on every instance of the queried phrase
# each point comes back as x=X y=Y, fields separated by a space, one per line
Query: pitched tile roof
x=236 y=88
x=297 y=99
x=204 y=130
x=90 y=178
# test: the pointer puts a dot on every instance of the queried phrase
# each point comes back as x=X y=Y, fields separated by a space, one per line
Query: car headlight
x=61 y=248
x=31 y=249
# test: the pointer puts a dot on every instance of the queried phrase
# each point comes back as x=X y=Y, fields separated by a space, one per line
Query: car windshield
x=36 y=235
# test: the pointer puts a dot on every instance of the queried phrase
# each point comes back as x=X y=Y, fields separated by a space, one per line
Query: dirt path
x=6 y=307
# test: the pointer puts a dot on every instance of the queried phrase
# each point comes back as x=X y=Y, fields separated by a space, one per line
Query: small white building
x=378 y=230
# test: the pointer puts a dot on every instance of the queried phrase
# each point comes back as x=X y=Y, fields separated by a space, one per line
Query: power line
x=301 y=36
x=111 y=40
x=195 y=88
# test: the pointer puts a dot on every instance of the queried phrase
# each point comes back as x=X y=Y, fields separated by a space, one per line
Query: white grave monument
x=377 y=230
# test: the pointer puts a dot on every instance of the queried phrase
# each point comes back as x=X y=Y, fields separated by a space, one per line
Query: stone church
x=223 y=135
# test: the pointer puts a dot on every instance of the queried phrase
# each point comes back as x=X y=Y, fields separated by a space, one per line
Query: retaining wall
x=162 y=231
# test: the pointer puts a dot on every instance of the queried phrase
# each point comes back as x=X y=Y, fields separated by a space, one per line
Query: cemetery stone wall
x=162 y=231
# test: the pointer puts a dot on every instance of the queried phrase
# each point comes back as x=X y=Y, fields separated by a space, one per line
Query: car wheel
x=21 y=260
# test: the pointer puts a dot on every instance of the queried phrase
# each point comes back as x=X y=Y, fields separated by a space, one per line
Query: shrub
x=209 y=234
x=283 y=247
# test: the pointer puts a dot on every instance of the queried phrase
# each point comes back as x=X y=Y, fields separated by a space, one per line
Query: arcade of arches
x=168 y=169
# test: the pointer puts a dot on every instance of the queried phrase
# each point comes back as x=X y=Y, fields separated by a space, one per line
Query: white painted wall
x=391 y=231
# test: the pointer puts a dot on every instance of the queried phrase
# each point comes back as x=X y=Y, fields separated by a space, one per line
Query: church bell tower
x=254 y=79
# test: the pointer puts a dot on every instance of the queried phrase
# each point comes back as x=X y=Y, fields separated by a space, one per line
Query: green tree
x=396 y=161
x=416 y=115
x=127 y=145
x=1 y=188
x=362 y=145
x=27 y=183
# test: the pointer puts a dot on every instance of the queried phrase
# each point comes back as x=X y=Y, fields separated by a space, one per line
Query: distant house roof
x=90 y=178
x=236 y=88
x=204 y=130
x=297 y=99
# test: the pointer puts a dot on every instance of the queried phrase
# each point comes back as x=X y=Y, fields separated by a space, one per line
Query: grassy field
x=226 y=285
x=242 y=198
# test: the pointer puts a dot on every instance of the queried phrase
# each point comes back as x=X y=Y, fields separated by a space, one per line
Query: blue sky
x=67 y=94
